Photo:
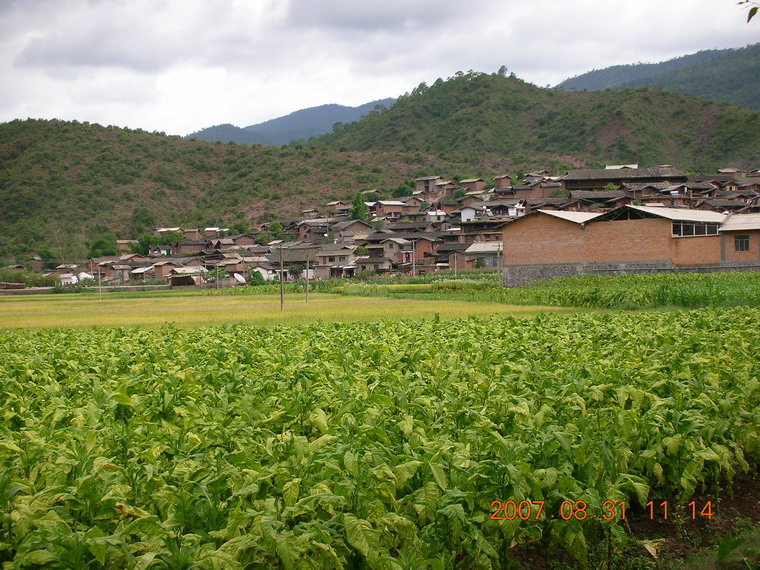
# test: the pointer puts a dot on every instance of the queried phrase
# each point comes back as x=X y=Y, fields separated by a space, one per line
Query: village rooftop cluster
x=540 y=226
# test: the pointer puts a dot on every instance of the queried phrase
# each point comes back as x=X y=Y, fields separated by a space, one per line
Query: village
x=619 y=219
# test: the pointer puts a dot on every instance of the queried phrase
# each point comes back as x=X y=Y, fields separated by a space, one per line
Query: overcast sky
x=181 y=65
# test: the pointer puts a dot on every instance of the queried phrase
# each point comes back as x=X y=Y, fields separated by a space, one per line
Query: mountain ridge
x=298 y=125
x=728 y=75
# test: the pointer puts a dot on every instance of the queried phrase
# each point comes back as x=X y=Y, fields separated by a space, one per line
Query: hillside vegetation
x=68 y=182
x=481 y=113
x=729 y=75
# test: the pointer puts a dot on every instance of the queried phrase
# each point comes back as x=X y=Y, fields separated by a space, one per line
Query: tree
x=145 y=241
x=102 y=246
x=296 y=270
x=358 y=208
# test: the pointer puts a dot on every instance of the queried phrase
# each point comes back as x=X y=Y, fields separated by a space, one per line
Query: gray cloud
x=180 y=65
x=424 y=16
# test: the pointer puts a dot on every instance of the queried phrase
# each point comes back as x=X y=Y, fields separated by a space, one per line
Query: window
x=331 y=259
x=741 y=243
x=687 y=229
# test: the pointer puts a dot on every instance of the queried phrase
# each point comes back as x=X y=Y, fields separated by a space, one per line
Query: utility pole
x=499 y=261
x=307 y=277
x=282 y=284
x=414 y=256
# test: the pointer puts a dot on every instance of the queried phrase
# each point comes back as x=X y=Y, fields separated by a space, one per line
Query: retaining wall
x=517 y=275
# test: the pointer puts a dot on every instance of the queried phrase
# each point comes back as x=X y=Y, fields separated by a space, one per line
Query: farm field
x=190 y=309
x=405 y=443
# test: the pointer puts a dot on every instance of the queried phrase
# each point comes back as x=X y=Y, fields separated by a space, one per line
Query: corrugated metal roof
x=681 y=214
x=741 y=222
x=485 y=247
x=575 y=217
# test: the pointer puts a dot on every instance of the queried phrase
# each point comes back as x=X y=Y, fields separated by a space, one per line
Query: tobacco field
x=378 y=445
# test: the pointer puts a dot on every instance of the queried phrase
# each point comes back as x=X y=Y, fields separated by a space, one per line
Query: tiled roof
x=624 y=173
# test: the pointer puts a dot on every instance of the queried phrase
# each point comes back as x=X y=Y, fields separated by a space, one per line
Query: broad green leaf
x=359 y=534
x=351 y=461
x=439 y=475
x=405 y=471
x=121 y=398
x=318 y=419
x=290 y=492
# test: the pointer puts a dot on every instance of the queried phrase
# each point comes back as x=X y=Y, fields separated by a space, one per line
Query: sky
x=178 y=66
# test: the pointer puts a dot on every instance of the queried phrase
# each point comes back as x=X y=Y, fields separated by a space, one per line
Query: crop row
x=368 y=444
x=689 y=290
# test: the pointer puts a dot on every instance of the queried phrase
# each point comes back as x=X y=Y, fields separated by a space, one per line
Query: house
x=469 y=213
x=126 y=244
x=484 y=254
x=143 y=273
x=313 y=229
x=451 y=256
x=159 y=250
x=426 y=184
x=293 y=255
x=722 y=205
x=533 y=187
x=334 y=260
x=506 y=208
x=377 y=264
x=502 y=181
x=413 y=203
x=473 y=185
x=398 y=250
x=337 y=207
x=187 y=276
x=188 y=247
x=162 y=268
x=599 y=199
x=740 y=238
x=347 y=229
x=219 y=244
x=421 y=256
x=590 y=179
x=390 y=209
x=549 y=243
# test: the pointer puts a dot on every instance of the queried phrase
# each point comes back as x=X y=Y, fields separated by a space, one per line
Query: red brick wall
x=754 y=246
x=542 y=238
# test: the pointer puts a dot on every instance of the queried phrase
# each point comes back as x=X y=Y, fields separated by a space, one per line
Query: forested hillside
x=74 y=181
x=481 y=113
x=730 y=75
x=69 y=181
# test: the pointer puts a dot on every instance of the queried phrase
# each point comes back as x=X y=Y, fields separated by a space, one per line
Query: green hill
x=729 y=75
x=478 y=113
x=69 y=182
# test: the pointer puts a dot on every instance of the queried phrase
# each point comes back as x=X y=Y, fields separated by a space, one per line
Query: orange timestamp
x=691 y=510
x=578 y=510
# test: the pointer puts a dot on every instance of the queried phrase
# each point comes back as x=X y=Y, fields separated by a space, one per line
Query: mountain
x=492 y=114
x=729 y=75
x=300 y=125
x=66 y=183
